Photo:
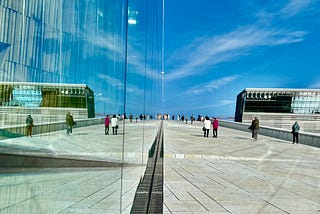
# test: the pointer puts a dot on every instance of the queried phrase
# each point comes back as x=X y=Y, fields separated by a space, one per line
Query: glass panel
x=284 y=104
x=68 y=64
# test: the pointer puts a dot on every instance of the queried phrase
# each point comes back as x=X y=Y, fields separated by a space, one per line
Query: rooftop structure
x=280 y=107
x=45 y=101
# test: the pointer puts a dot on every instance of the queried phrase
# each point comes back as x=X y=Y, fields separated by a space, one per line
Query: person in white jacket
x=114 y=124
x=207 y=126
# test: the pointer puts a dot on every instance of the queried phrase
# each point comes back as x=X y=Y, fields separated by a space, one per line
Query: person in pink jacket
x=106 y=125
x=215 y=124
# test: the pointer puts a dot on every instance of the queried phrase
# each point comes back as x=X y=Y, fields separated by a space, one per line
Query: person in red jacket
x=106 y=125
x=215 y=124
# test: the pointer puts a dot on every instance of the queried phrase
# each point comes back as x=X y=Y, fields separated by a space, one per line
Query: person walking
x=69 y=122
x=192 y=118
x=114 y=124
x=206 y=125
x=215 y=125
x=29 y=122
x=295 y=132
x=106 y=125
x=254 y=128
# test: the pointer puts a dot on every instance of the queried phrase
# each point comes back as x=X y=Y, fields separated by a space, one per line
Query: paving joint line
x=202 y=191
x=197 y=201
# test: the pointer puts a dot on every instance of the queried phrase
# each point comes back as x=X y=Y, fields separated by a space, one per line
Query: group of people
x=114 y=124
x=295 y=128
x=207 y=123
x=70 y=123
x=183 y=118
x=254 y=127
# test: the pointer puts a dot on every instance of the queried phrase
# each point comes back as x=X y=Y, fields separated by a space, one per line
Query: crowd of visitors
x=208 y=123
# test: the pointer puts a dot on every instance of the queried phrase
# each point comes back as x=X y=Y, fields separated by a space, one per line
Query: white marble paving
x=228 y=174
x=234 y=174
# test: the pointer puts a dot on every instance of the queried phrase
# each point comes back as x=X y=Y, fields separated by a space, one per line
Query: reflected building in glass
x=100 y=43
x=92 y=58
x=77 y=42
x=280 y=107
x=48 y=102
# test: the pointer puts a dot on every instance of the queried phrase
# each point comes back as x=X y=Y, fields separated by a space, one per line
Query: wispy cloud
x=289 y=10
x=210 y=86
x=217 y=49
x=109 y=46
x=105 y=100
x=116 y=83
x=132 y=89
x=295 y=7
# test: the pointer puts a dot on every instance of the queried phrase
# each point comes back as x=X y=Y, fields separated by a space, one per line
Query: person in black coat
x=254 y=127
x=29 y=122
x=295 y=132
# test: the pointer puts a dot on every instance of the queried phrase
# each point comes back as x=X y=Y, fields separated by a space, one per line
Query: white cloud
x=136 y=58
x=218 y=49
x=135 y=90
x=210 y=86
x=295 y=6
x=104 y=100
x=289 y=10
x=114 y=82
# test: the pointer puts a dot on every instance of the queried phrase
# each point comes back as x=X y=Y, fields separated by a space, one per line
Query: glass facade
x=114 y=47
x=282 y=101
x=47 y=102
x=45 y=95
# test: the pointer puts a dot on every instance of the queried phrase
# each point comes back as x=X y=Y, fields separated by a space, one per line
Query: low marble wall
x=47 y=160
x=306 y=138
x=20 y=130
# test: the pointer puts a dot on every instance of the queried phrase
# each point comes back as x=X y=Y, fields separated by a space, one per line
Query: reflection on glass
x=89 y=58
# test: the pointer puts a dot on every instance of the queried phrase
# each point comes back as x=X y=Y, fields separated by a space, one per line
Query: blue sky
x=214 y=49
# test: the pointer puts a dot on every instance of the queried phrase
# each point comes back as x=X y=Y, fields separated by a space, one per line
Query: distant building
x=47 y=102
x=280 y=107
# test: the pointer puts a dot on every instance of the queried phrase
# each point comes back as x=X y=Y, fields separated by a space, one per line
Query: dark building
x=46 y=101
x=279 y=107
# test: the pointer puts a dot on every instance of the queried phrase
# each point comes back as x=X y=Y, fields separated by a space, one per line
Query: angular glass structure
x=92 y=58
x=49 y=102
x=279 y=107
